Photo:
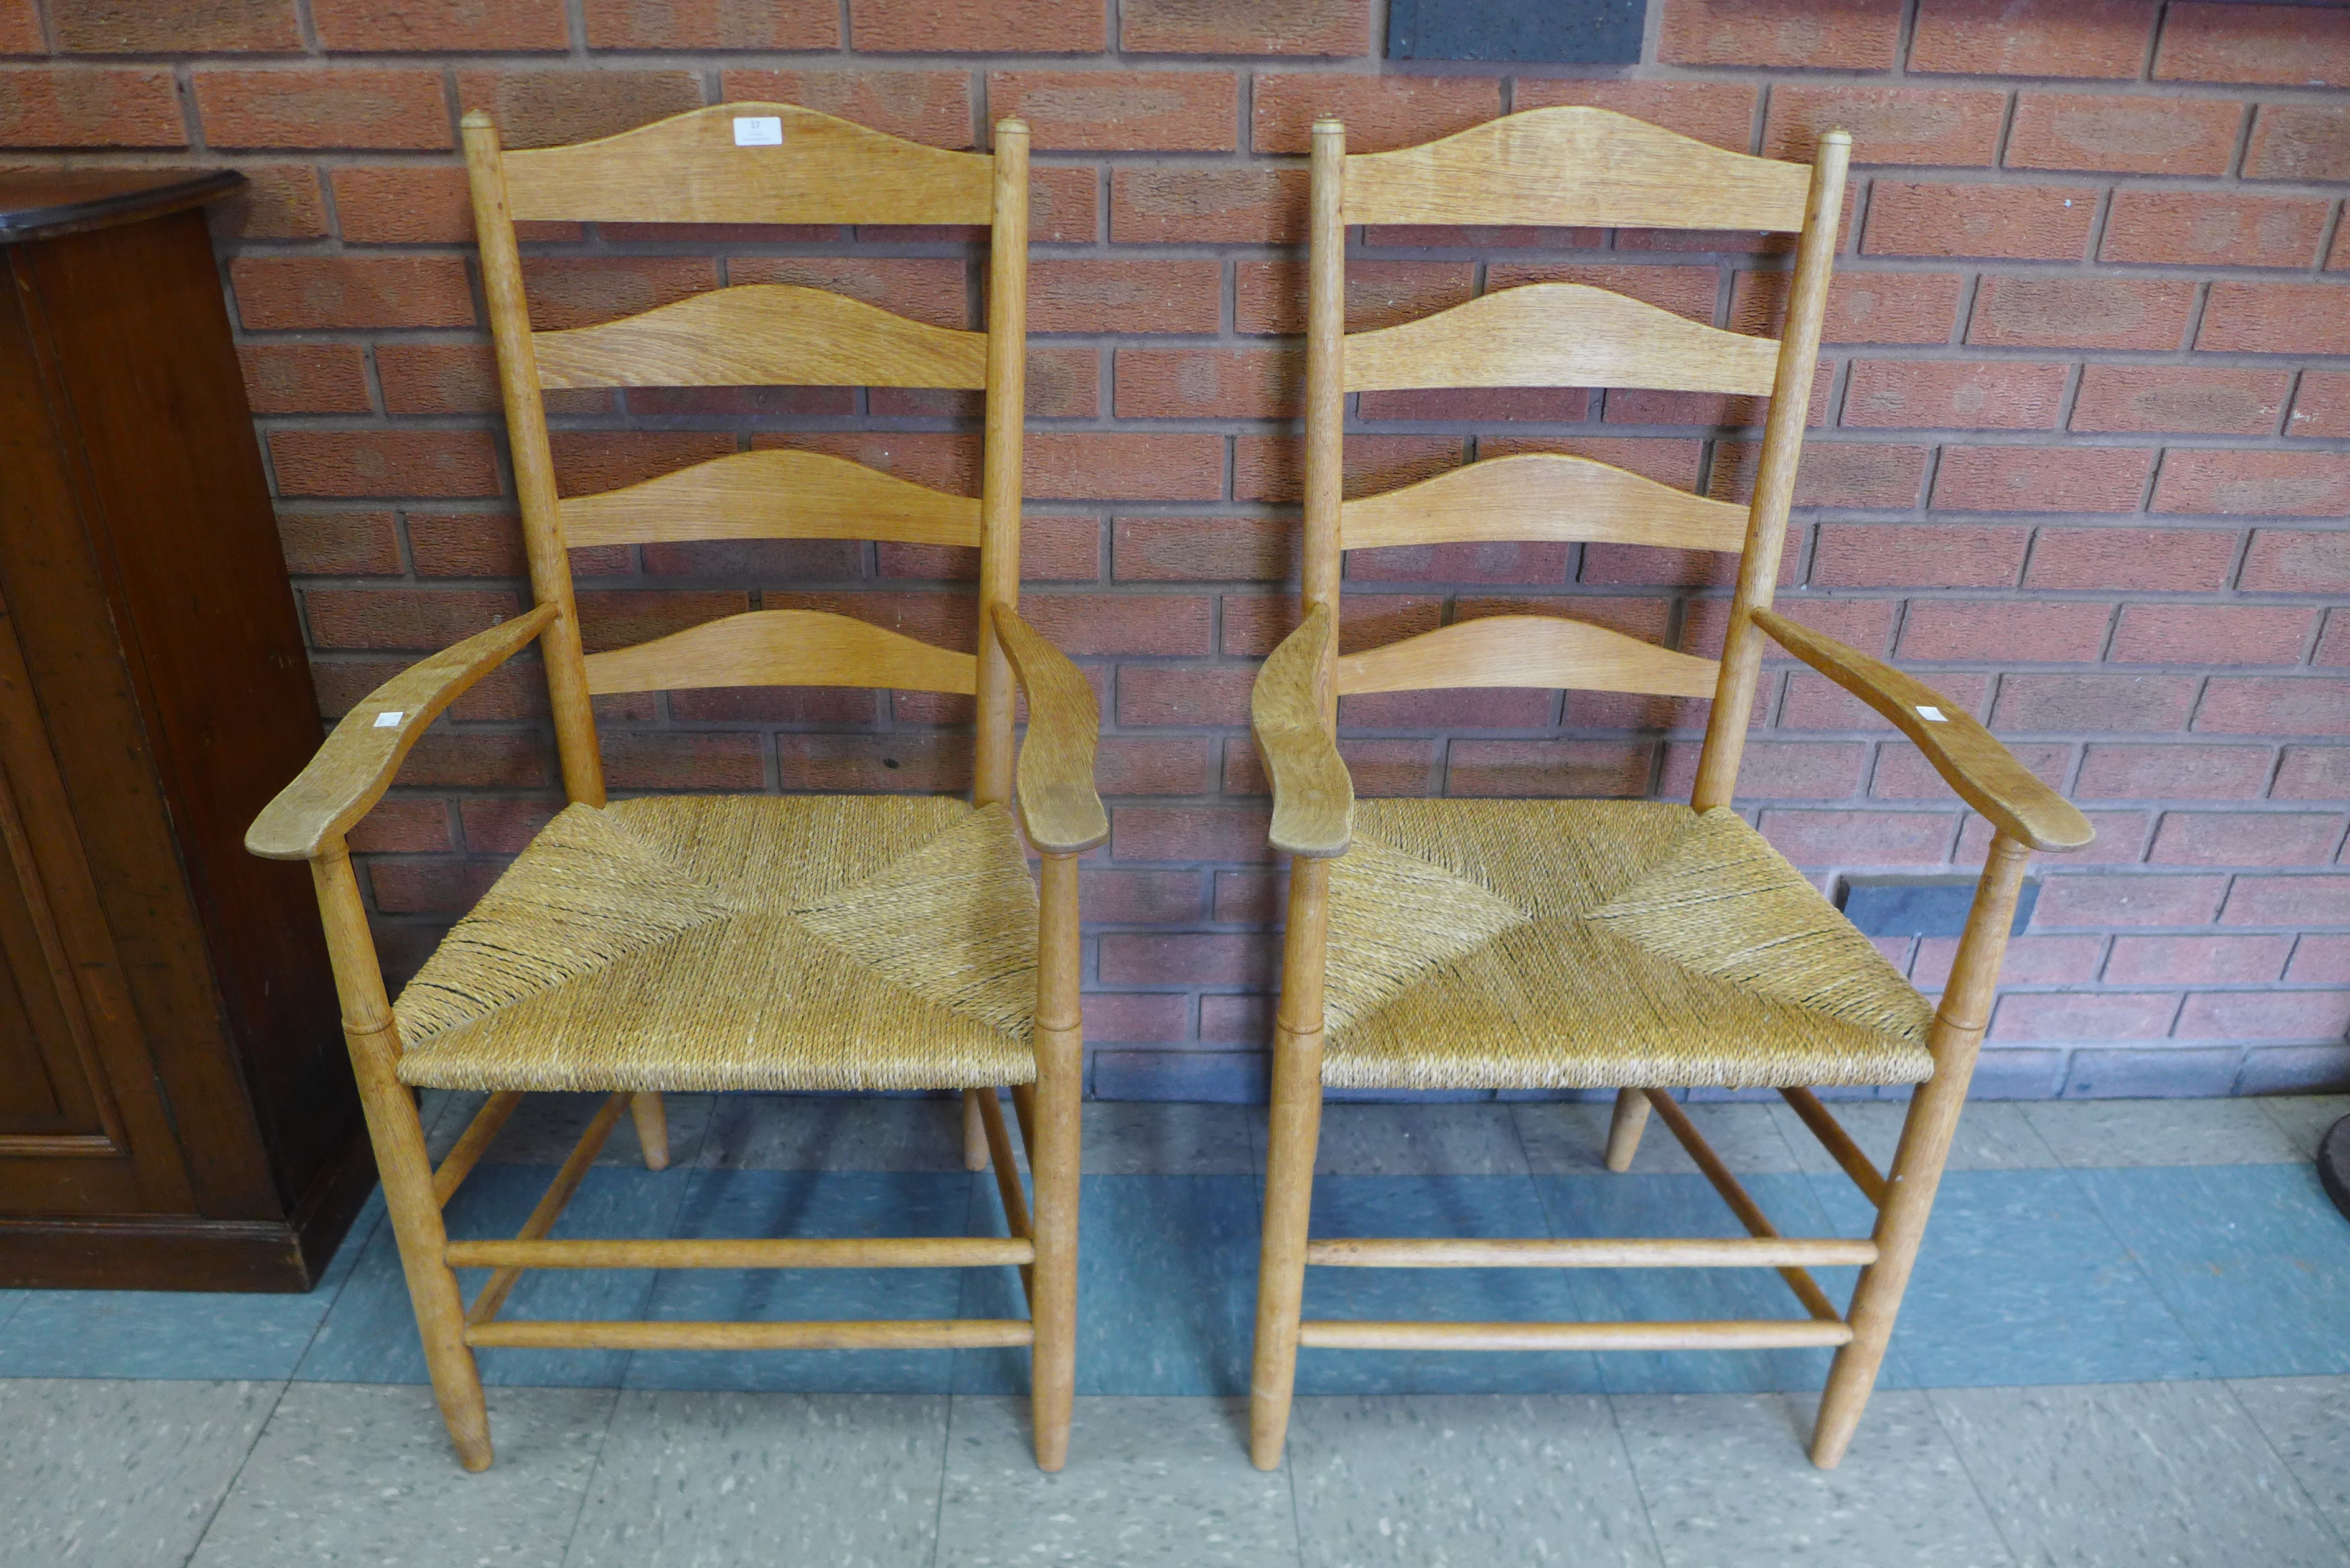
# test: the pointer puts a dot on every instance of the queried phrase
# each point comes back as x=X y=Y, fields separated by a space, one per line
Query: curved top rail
x=1559 y=335
x=1575 y=167
x=762 y=334
x=750 y=163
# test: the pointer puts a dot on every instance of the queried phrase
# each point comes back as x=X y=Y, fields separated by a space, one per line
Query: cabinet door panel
x=29 y=1101
x=62 y=1148
x=52 y=1091
x=50 y=1087
x=83 y=1127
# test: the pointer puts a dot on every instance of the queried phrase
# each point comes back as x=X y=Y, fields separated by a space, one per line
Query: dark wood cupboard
x=176 y=1109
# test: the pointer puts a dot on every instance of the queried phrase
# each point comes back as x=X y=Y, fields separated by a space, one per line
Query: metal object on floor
x=2334 y=1165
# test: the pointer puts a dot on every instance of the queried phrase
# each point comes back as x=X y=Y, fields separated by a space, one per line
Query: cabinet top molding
x=40 y=204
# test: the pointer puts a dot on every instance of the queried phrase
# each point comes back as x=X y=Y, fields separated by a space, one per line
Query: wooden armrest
x=1969 y=757
x=1313 y=796
x=354 y=767
x=1058 y=802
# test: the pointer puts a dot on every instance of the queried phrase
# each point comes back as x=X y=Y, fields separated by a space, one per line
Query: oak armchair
x=1637 y=946
x=713 y=942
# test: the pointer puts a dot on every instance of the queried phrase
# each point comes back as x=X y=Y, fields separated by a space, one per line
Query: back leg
x=974 y=1131
x=652 y=1128
x=1623 y=1129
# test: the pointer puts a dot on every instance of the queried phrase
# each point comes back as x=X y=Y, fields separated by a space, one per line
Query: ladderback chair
x=1638 y=946
x=745 y=942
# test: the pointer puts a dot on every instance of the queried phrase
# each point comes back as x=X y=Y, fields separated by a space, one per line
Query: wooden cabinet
x=176 y=1109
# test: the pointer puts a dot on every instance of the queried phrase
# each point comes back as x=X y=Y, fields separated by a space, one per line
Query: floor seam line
x=1518 y=1137
x=2138 y=1265
x=2290 y=1472
x=1288 y=1468
x=595 y=1468
x=1934 y=1410
x=946 y=1458
x=975 y=1195
x=1631 y=1469
x=221 y=1501
x=361 y=1243
x=709 y=1126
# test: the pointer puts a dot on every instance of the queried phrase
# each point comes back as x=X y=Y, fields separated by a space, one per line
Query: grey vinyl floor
x=134 y=1472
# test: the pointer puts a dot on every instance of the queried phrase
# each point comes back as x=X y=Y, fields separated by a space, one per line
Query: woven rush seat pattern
x=694 y=943
x=1597 y=944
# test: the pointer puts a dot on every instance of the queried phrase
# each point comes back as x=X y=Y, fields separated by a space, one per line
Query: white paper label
x=759 y=130
x=388 y=719
x=1931 y=715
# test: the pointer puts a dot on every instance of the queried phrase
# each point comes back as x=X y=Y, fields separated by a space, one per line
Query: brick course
x=2080 y=451
x=127 y=27
x=2032 y=37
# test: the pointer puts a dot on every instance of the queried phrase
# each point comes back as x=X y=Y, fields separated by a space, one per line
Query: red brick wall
x=2082 y=451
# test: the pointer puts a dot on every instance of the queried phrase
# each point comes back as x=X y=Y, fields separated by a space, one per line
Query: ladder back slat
x=1559 y=335
x=1526 y=650
x=783 y=647
x=1541 y=496
x=751 y=163
x=762 y=334
x=1575 y=167
x=773 y=494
